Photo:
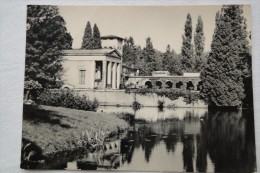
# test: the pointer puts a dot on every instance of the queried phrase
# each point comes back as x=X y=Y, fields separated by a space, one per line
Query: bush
x=160 y=104
x=136 y=105
x=68 y=99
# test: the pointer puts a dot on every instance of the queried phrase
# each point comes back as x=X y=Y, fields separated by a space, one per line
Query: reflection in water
x=230 y=141
x=192 y=140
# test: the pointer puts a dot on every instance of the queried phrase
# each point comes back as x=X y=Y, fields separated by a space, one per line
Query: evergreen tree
x=87 y=42
x=140 y=61
x=228 y=62
x=167 y=57
x=46 y=36
x=96 y=38
x=149 y=57
x=129 y=52
x=199 y=42
x=187 y=47
x=170 y=62
x=159 y=60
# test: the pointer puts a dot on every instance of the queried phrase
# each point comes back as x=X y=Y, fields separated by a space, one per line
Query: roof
x=191 y=74
x=86 y=52
x=111 y=37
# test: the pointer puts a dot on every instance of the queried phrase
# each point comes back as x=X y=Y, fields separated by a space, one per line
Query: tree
x=149 y=57
x=96 y=38
x=46 y=36
x=87 y=42
x=227 y=64
x=170 y=62
x=129 y=52
x=187 y=47
x=199 y=42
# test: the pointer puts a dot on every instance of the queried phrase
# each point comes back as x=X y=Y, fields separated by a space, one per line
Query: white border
x=12 y=54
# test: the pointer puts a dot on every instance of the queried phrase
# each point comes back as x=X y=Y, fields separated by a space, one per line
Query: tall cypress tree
x=227 y=66
x=187 y=47
x=87 y=42
x=149 y=56
x=96 y=38
x=199 y=42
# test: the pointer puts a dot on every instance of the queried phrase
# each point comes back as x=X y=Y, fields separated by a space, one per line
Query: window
x=82 y=77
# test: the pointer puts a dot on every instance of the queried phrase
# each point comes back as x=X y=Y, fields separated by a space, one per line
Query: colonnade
x=111 y=74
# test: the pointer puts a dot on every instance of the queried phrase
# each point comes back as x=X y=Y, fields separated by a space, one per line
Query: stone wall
x=120 y=98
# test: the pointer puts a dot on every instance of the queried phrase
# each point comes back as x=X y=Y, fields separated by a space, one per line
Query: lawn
x=55 y=129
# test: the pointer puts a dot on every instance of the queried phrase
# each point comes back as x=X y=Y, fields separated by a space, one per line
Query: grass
x=55 y=129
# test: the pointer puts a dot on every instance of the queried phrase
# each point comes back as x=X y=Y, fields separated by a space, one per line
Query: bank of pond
x=146 y=139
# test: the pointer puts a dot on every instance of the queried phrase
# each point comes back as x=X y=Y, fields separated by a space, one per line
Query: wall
x=121 y=98
x=114 y=43
x=71 y=73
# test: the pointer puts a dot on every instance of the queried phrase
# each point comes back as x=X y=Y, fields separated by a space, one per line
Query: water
x=180 y=140
x=183 y=139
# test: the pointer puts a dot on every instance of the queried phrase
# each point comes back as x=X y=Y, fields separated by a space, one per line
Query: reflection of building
x=163 y=79
x=94 y=69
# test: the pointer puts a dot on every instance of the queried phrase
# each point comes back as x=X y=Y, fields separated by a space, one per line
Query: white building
x=94 y=69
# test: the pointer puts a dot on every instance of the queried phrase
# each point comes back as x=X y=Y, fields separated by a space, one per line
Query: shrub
x=68 y=99
x=136 y=105
x=160 y=104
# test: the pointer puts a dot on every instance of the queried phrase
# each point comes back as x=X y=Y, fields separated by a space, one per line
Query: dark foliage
x=96 y=38
x=187 y=47
x=229 y=62
x=68 y=99
x=171 y=62
x=199 y=43
x=87 y=42
x=46 y=36
x=149 y=57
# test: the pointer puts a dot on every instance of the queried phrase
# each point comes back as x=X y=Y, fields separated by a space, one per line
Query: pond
x=181 y=139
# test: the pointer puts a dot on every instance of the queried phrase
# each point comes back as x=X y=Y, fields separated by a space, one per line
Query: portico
x=92 y=69
x=111 y=72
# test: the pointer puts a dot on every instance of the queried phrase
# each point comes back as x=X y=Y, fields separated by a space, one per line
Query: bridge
x=190 y=81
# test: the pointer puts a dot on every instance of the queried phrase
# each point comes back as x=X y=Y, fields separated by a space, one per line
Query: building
x=94 y=69
x=163 y=79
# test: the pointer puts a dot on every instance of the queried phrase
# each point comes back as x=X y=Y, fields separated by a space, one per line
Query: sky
x=164 y=24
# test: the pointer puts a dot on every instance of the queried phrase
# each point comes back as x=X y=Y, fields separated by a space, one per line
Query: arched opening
x=199 y=86
x=190 y=86
x=158 y=84
x=148 y=84
x=168 y=84
x=179 y=85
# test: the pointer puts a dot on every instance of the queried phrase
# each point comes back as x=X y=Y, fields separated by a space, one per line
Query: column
x=195 y=85
x=109 y=73
x=92 y=75
x=118 y=75
x=114 y=76
x=104 y=73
